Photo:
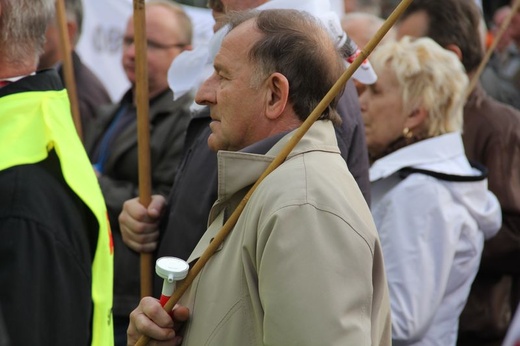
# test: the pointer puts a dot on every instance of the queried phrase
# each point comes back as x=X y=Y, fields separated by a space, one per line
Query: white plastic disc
x=171 y=268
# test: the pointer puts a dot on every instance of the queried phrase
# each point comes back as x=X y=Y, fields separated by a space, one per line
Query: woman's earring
x=407 y=133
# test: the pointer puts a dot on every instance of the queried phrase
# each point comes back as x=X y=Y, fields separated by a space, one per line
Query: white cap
x=171 y=268
x=364 y=73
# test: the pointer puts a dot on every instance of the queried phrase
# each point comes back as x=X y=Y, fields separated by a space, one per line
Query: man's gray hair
x=22 y=28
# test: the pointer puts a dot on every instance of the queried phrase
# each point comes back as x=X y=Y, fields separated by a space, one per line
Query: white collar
x=425 y=152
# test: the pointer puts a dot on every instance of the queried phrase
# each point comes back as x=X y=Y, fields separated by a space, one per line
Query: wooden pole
x=68 y=69
x=280 y=158
x=491 y=49
x=143 y=131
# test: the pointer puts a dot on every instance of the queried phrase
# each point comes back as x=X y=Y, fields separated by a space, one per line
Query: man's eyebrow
x=220 y=68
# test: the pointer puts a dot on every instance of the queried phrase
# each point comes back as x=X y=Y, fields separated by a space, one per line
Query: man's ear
x=277 y=95
x=455 y=49
x=416 y=118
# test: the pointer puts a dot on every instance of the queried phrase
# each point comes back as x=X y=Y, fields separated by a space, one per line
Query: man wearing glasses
x=112 y=141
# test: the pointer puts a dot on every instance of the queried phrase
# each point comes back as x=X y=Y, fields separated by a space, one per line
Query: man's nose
x=206 y=93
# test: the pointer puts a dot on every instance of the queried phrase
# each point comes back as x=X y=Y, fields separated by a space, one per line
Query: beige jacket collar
x=237 y=170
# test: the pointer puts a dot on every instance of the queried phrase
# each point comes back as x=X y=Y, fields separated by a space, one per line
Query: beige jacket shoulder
x=303 y=264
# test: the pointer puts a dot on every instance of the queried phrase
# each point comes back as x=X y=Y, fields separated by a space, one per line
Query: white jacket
x=432 y=233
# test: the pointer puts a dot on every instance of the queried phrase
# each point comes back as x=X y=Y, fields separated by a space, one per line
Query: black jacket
x=47 y=240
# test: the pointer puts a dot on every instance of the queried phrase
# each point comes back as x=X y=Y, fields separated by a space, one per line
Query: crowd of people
x=393 y=220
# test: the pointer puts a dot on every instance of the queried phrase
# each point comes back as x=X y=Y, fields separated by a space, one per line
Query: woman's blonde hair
x=430 y=77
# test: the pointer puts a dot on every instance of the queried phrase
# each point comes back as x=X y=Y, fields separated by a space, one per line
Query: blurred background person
x=100 y=46
x=508 y=50
x=498 y=19
x=432 y=209
x=514 y=32
x=90 y=91
x=489 y=7
x=498 y=75
x=361 y=27
x=112 y=140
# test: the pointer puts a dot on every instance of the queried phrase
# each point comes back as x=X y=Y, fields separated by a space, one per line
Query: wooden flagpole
x=68 y=69
x=143 y=131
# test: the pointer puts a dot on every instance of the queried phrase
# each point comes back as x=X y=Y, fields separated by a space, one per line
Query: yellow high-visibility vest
x=31 y=124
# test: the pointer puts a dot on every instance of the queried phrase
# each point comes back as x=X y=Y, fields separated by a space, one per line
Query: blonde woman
x=432 y=209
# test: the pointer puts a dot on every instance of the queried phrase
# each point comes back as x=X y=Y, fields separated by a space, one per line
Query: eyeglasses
x=152 y=45
x=216 y=5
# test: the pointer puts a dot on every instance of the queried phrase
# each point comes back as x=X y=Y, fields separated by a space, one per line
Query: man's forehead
x=238 y=41
x=244 y=34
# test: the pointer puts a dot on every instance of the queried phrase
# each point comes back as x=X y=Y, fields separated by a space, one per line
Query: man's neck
x=9 y=70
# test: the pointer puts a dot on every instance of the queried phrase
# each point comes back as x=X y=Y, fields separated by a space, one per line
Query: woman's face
x=382 y=110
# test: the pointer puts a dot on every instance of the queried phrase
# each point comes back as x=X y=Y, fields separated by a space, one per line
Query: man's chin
x=213 y=143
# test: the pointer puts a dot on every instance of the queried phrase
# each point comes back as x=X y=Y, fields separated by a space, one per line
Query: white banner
x=100 y=46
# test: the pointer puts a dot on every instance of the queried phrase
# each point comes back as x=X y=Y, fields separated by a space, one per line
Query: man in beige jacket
x=303 y=264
